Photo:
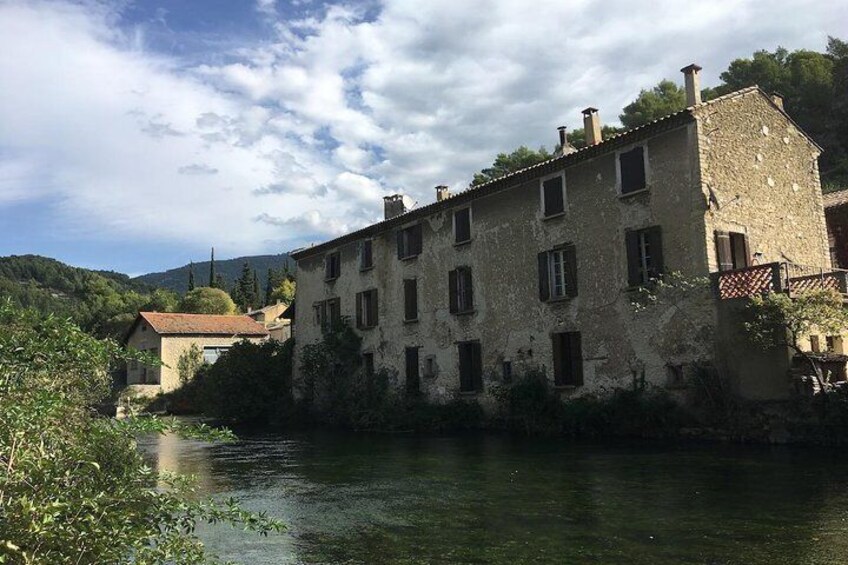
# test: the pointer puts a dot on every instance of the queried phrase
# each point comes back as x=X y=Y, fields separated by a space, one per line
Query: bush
x=249 y=384
x=207 y=300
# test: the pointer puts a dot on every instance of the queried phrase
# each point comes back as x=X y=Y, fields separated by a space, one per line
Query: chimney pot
x=592 y=126
x=442 y=193
x=564 y=146
x=393 y=206
x=693 y=84
x=777 y=98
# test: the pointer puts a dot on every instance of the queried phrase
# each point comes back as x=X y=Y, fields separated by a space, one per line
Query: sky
x=135 y=135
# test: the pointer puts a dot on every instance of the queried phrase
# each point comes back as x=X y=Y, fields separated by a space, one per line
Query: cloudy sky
x=134 y=135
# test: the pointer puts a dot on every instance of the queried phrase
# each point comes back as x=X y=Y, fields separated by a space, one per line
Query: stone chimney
x=777 y=98
x=442 y=193
x=564 y=146
x=592 y=126
x=693 y=84
x=393 y=206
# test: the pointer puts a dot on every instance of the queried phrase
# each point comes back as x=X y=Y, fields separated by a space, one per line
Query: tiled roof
x=838 y=198
x=201 y=324
x=612 y=143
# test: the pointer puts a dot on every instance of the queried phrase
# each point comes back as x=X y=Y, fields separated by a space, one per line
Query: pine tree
x=270 y=283
x=243 y=289
x=220 y=282
x=255 y=298
x=191 y=276
x=213 y=279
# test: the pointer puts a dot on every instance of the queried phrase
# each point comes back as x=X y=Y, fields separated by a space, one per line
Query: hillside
x=101 y=302
x=176 y=280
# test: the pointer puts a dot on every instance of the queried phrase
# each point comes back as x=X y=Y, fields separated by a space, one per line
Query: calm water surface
x=360 y=498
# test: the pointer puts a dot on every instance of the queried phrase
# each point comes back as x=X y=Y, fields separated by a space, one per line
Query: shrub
x=250 y=383
x=207 y=300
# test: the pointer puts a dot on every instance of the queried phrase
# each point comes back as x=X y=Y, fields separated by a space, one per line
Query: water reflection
x=492 y=499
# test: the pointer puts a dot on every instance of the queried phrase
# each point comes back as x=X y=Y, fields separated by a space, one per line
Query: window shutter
x=410 y=299
x=477 y=366
x=632 y=167
x=373 y=306
x=739 y=247
x=452 y=293
x=469 y=289
x=556 y=342
x=544 y=282
x=466 y=381
x=417 y=244
x=575 y=355
x=359 y=309
x=633 y=266
x=570 y=270
x=328 y=260
x=462 y=225
x=724 y=251
x=401 y=252
x=552 y=191
x=654 y=236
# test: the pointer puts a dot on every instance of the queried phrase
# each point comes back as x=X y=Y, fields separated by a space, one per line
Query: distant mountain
x=230 y=269
x=101 y=302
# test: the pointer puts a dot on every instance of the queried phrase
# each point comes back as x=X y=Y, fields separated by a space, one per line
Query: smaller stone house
x=836 y=215
x=168 y=336
x=275 y=319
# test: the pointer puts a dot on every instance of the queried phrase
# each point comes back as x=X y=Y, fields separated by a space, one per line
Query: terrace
x=790 y=278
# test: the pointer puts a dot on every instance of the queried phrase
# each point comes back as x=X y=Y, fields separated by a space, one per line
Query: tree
x=191 y=276
x=161 y=300
x=780 y=321
x=246 y=289
x=505 y=164
x=663 y=99
x=206 y=300
x=285 y=291
x=73 y=487
x=577 y=137
x=272 y=280
x=256 y=302
x=213 y=279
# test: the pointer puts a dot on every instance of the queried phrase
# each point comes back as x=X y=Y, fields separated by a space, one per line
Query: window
x=558 y=273
x=366 y=255
x=731 y=250
x=470 y=367
x=568 y=359
x=430 y=367
x=368 y=364
x=328 y=313
x=409 y=242
x=410 y=300
x=462 y=225
x=332 y=266
x=461 y=291
x=412 y=380
x=506 y=371
x=553 y=195
x=631 y=170
x=830 y=342
x=320 y=309
x=644 y=255
x=815 y=344
x=213 y=353
x=366 y=309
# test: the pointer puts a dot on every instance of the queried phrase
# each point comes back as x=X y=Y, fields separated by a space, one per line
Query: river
x=373 y=498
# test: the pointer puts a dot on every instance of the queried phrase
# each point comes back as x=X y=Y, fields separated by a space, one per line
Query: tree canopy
x=506 y=163
x=207 y=300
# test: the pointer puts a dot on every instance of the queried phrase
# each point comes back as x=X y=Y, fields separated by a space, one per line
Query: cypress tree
x=213 y=280
x=191 y=276
x=255 y=301
x=270 y=283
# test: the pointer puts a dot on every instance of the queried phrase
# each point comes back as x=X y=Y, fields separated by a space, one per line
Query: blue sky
x=135 y=135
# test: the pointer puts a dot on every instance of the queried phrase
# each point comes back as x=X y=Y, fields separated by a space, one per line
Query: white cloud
x=338 y=110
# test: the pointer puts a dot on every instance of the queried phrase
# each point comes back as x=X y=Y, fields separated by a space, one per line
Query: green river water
x=373 y=498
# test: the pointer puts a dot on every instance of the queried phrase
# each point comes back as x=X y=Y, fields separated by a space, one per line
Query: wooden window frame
x=367 y=309
x=732 y=250
x=547 y=274
x=366 y=250
x=410 y=242
x=461 y=291
x=619 y=180
x=470 y=360
x=332 y=266
x=567 y=353
x=410 y=288
x=542 y=200
x=456 y=233
x=644 y=255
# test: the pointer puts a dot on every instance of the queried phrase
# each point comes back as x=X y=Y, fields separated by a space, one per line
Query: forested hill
x=98 y=301
x=230 y=269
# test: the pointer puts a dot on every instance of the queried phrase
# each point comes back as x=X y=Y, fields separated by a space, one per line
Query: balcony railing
x=791 y=278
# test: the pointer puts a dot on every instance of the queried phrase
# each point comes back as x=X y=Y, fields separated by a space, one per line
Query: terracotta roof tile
x=202 y=324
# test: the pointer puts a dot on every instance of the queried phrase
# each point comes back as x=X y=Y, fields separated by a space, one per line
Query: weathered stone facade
x=737 y=164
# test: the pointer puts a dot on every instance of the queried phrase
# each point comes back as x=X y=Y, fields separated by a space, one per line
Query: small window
x=506 y=372
x=631 y=167
x=831 y=343
x=558 y=273
x=470 y=366
x=732 y=250
x=462 y=225
x=568 y=359
x=410 y=300
x=368 y=364
x=366 y=255
x=644 y=255
x=332 y=266
x=461 y=290
x=553 y=195
x=213 y=353
x=409 y=242
x=430 y=367
x=366 y=309
x=413 y=384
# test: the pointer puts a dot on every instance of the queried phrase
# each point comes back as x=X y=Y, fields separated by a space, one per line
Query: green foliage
x=73 y=487
x=505 y=164
x=328 y=368
x=229 y=270
x=102 y=303
x=206 y=300
x=246 y=290
x=284 y=292
x=189 y=363
x=663 y=99
x=775 y=315
x=251 y=383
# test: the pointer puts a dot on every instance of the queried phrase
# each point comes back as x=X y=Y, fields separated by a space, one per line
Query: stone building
x=168 y=336
x=276 y=319
x=537 y=270
x=836 y=214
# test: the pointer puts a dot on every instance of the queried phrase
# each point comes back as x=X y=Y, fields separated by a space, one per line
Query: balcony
x=790 y=278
